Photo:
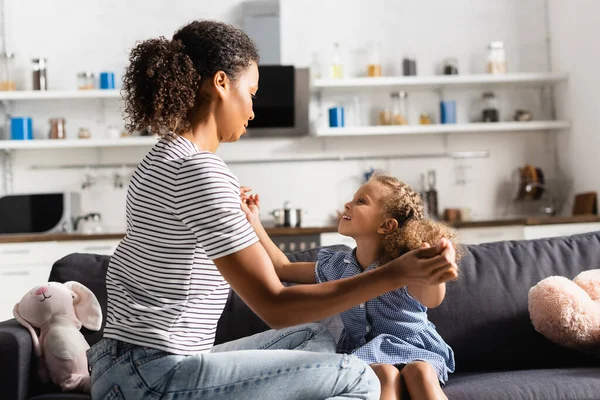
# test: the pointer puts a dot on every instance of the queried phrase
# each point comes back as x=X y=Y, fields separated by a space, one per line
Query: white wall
x=574 y=30
x=98 y=34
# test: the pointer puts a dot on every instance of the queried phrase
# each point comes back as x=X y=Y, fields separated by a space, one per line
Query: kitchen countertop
x=62 y=237
x=44 y=237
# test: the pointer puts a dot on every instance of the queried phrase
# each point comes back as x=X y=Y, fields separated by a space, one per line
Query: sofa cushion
x=485 y=317
x=568 y=383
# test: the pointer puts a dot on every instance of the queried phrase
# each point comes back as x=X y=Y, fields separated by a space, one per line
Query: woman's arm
x=251 y=274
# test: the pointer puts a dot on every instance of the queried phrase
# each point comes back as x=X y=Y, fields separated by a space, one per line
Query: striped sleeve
x=207 y=200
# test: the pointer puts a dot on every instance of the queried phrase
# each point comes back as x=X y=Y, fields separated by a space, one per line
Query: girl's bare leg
x=389 y=378
x=421 y=381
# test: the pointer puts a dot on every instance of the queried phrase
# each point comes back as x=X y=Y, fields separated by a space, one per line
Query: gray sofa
x=484 y=318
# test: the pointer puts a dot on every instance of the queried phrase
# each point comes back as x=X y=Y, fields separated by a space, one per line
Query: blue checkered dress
x=390 y=329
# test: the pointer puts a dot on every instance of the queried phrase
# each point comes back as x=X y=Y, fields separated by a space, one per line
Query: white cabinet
x=333 y=238
x=103 y=247
x=23 y=266
x=490 y=234
x=544 y=231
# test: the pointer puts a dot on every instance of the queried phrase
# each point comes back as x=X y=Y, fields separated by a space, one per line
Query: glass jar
x=399 y=108
x=451 y=66
x=490 y=111
x=7 y=72
x=84 y=133
x=496 y=60
x=85 y=80
x=57 y=128
x=374 y=66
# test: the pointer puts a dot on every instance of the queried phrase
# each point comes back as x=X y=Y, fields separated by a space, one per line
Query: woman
x=188 y=239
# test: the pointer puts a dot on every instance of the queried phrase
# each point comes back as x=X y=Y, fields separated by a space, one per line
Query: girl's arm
x=298 y=272
x=430 y=296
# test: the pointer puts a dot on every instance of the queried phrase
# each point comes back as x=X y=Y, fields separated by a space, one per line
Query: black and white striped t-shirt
x=183 y=211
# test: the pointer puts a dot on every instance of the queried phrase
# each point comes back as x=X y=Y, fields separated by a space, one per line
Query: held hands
x=250 y=204
x=427 y=265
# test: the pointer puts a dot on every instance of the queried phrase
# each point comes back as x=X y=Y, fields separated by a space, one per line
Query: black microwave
x=281 y=104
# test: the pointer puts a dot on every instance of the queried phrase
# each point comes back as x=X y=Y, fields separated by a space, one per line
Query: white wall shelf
x=146 y=141
x=415 y=83
x=443 y=128
x=59 y=94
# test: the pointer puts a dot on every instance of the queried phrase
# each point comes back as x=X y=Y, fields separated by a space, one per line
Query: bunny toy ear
x=34 y=337
x=87 y=307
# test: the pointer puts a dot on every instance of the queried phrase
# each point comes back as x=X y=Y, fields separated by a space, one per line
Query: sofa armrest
x=16 y=350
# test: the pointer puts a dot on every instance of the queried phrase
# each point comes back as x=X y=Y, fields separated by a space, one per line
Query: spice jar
x=424 y=119
x=7 y=77
x=496 y=60
x=57 y=128
x=40 y=81
x=451 y=66
x=337 y=63
x=85 y=80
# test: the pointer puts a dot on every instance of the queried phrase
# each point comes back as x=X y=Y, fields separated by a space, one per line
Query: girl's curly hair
x=161 y=86
x=405 y=205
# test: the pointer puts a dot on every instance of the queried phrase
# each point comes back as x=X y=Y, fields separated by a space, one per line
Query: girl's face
x=363 y=216
x=235 y=108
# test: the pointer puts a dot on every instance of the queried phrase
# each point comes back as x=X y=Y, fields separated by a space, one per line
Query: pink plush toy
x=568 y=312
x=59 y=310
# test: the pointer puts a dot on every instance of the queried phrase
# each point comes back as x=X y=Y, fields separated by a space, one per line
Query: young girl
x=390 y=332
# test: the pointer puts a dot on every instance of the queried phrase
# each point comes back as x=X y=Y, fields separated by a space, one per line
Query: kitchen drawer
x=333 y=238
x=544 y=231
x=14 y=254
x=490 y=234
x=16 y=281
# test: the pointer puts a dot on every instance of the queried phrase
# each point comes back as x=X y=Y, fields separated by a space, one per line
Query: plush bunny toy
x=567 y=311
x=59 y=310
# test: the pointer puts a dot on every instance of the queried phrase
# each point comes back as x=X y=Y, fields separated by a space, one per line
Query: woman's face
x=235 y=108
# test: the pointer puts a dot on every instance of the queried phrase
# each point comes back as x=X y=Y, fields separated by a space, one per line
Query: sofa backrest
x=485 y=316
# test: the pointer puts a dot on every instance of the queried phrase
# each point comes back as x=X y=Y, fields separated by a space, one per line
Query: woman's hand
x=427 y=265
x=250 y=204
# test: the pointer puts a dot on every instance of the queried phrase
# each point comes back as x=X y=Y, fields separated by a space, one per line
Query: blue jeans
x=265 y=366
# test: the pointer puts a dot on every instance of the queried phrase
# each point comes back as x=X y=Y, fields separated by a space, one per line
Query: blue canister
x=336 y=117
x=21 y=128
x=448 y=112
x=107 y=80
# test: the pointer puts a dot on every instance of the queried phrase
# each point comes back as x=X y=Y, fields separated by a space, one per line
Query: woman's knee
x=320 y=339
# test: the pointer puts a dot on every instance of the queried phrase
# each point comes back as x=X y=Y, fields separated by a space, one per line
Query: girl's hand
x=427 y=265
x=250 y=204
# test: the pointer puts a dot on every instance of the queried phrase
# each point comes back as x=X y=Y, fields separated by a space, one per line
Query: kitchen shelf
x=414 y=83
x=443 y=128
x=146 y=141
x=59 y=94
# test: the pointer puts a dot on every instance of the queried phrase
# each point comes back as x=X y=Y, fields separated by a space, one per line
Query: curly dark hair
x=161 y=86
x=405 y=205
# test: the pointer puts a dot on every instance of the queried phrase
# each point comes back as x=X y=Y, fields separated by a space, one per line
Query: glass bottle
x=374 y=66
x=40 y=81
x=337 y=65
x=7 y=72
x=496 y=60
x=399 y=108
